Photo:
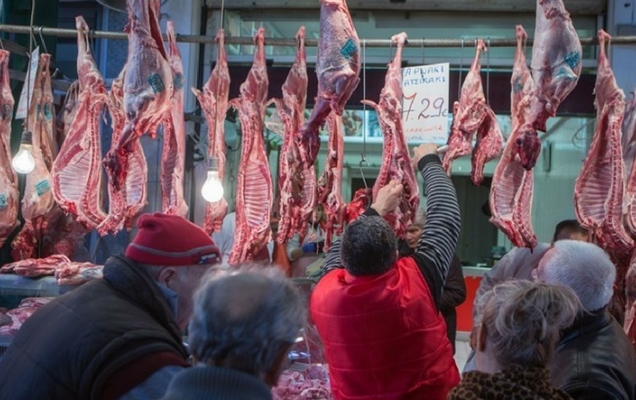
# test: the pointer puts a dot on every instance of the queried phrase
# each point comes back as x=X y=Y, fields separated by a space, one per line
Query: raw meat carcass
x=48 y=145
x=556 y=67
x=127 y=201
x=33 y=267
x=598 y=192
x=77 y=172
x=174 y=140
x=338 y=70
x=311 y=383
x=556 y=60
x=148 y=86
x=67 y=113
x=254 y=184
x=214 y=102
x=38 y=204
x=512 y=185
x=295 y=206
x=468 y=113
x=9 y=194
x=330 y=183
x=361 y=200
x=396 y=160
x=629 y=134
x=488 y=146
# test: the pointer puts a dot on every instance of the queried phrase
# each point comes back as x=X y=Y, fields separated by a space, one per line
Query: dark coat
x=72 y=346
x=595 y=360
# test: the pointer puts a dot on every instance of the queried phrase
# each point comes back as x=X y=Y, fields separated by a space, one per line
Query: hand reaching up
x=388 y=197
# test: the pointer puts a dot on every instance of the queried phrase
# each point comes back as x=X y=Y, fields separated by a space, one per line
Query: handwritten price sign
x=425 y=104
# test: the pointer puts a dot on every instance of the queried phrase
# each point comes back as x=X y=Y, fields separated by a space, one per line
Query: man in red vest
x=379 y=317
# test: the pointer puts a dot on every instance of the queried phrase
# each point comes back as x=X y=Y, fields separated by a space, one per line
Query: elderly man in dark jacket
x=119 y=337
x=594 y=358
x=454 y=293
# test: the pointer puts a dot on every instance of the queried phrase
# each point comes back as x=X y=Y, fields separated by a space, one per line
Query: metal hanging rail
x=59 y=32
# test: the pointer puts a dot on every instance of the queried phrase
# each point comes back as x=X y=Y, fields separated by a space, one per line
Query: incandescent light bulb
x=212 y=189
x=23 y=162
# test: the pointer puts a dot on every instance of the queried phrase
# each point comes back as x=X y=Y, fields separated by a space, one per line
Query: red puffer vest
x=383 y=336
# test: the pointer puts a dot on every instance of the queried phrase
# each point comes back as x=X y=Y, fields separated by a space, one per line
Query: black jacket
x=595 y=360
x=453 y=294
x=69 y=348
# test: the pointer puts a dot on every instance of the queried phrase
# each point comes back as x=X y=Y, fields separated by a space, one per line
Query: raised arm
x=437 y=244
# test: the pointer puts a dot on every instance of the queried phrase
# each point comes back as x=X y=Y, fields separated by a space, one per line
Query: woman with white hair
x=520 y=322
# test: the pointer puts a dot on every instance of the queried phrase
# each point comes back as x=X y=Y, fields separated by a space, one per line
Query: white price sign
x=29 y=82
x=425 y=105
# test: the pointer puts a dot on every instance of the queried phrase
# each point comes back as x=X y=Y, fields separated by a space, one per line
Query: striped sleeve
x=437 y=244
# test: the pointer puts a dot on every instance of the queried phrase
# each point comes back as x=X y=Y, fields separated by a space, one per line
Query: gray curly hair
x=523 y=320
x=243 y=318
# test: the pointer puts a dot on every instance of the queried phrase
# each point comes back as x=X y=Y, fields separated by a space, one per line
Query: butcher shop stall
x=248 y=123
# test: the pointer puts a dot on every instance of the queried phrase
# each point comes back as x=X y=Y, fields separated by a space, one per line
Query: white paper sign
x=21 y=111
x=425 y=105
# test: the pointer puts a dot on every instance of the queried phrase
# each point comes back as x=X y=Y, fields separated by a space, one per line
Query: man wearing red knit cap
x=119 y=337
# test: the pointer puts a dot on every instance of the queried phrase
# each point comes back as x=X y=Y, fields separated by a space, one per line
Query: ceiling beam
x=589 y=7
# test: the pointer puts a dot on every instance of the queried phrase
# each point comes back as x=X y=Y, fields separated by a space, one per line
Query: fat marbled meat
x=296 y=183
x=468 y=113
x=214 y=101
x=512 y=185
x=9 y=194
x=147 y=86
x=174 y=140
x=396 y=161
x=338 y=70
x=254 y=193
x=77 y=171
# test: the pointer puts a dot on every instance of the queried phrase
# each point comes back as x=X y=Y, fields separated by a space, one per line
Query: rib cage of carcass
x=254 y=184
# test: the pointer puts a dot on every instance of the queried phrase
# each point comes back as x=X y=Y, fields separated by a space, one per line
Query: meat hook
x=363 y=161
x=42 y=40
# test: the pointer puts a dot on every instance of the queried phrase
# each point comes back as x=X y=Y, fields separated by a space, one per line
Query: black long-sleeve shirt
x=436 y=246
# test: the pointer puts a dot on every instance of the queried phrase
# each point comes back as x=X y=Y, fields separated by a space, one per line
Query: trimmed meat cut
x=9 y=194
x=468 y=113
x=254 y=184
x=77 y=171
x=34 y=267
x=396 y=160
x=338 y=70
x=148 y=86
x=214 y=103
x=174 y=138
x=295 y=205
x=512 y=185
x=487 y=147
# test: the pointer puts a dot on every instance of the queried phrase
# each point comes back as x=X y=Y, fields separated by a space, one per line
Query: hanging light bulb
x=212 y=190
x=23 y=162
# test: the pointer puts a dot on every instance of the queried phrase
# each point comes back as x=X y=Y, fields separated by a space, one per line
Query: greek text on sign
x=425 y=104
x=29 y=83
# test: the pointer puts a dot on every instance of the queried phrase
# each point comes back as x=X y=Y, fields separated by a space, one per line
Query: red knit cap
x=171 y=240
